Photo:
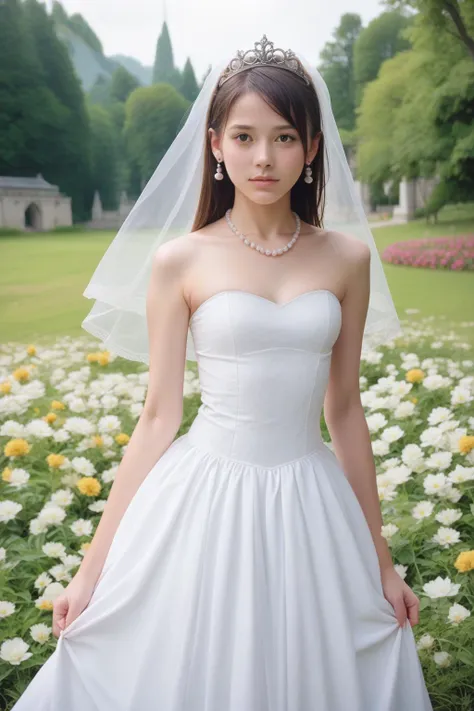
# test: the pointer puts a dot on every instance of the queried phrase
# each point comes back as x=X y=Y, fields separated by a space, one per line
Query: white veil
x=166 y=209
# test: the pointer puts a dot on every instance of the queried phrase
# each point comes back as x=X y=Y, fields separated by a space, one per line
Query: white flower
x=401 y=570
x=398 y=475
x=376 y=421
x=432 y=437
x=439 y=414
x=71 y=561
x=457 y=613
x=97 y=506
x=9 y=509
x=446 y=537
x=441 y=587
x=60 y=572
x=380 y=448
x=37 y=526
x=442 y=659
x=61 y=436
x=388 y=531
x=40 y=632
x=79 y=425
x=447 y=516
x=18 y=478
x=51 y=515
x=53 y=549
x=6 y=608
x=459 y=396
x=81 y=527
x=426 y=641
x=413 y=457
x=52 y=591
x=439 y=460
x=404 y=410
x=38 y=428
x=423 y=509
x=109 y=423
x=461 y=474
x=109 y=402
x=11 y=428
x=14 y=651
x=435 y=382
x=71 y=479
x=42 y=581
x=83 y=466
x=108 y=475
x=435 y=483
x=3 y=554
x=62 y=497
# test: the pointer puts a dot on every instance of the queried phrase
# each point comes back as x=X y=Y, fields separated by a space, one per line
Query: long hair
x=287 y=94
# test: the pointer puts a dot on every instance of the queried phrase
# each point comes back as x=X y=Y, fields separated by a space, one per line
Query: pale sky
x=204 y=30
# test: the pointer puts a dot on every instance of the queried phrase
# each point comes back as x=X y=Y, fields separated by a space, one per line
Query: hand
x=401 y=597
x=70 y=604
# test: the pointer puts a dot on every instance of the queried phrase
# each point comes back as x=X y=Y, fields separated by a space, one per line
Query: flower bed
x=453 y=253
x=65 y=419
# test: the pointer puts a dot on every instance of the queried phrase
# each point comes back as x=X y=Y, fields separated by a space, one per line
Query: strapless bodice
x=263 y=370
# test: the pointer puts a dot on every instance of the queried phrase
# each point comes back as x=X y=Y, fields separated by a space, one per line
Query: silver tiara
x=263 y=55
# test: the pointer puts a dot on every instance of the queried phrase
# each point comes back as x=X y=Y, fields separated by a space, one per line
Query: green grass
x=45 y=274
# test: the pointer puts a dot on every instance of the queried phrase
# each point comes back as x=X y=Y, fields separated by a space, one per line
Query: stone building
x=32 y=204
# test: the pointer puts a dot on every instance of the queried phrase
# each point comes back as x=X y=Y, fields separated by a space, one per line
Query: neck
x=263 y=223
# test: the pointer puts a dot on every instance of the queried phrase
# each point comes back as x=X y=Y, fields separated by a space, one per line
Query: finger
x=400 y=611
x=413 y=608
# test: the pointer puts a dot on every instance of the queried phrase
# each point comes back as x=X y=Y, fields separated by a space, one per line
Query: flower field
x=66 y=415
x=453 y=253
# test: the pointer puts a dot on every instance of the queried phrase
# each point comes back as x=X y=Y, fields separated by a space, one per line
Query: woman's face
x=258 y=141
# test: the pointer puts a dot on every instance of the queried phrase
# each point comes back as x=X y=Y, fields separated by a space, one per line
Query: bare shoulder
x=352 y=250
x=174 y=256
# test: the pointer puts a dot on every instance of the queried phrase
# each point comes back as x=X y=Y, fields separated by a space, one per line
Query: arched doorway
x=33 y=217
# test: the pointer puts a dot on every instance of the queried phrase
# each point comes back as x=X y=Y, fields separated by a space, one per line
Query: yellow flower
x=36 y=410
x=415 y=375
x=466 y=443
x=122 y=438
x=58 y=405
x=103 y=358
x=89 y=486
x=414 y=400
x=5 y=387
x=50 y=417
x=45 y=605
x=31 y=350
x=55 y=460
x=465 y=561
x=16 y=448
x=92 y=357
x=98 y=441
x=21 y=374
x=7 y=474
x=85 y=547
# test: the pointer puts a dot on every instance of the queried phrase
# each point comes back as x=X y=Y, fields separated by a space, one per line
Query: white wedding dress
x=243 y=575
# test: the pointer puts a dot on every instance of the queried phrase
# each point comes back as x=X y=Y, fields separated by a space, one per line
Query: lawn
x=45 y=274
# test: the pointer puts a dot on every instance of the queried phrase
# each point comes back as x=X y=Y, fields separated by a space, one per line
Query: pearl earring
x=308 y=171
x=218 y=175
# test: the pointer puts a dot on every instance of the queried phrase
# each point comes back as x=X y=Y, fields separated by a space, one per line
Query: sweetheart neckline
x=277 y=304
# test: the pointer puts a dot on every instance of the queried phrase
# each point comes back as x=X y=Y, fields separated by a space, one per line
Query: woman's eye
x=242 y=134
x=287 y=135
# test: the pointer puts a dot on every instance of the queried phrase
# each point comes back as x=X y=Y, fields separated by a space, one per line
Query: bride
x=241 y=565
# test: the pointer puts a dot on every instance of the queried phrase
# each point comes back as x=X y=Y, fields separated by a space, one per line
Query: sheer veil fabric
x=166 y=209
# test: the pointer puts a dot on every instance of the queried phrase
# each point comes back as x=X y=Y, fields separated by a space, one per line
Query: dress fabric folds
x=243 y=575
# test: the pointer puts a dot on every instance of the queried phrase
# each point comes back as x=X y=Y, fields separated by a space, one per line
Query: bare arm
x=167 y=319
x=343 y=410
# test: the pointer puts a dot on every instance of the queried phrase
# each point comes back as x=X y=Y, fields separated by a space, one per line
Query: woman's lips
x=262 y=181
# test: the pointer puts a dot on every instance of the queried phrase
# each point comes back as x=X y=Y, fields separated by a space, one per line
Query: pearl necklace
x=259 y=248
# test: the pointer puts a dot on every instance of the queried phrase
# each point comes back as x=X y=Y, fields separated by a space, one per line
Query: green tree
x=454 y=17
x=69 y=164
x=381 y=39
x=104 y=174
x=164 y=69
x=122 y=84
x=338 y=71
x=152 y=115
x=30 y=114
x=189 y=86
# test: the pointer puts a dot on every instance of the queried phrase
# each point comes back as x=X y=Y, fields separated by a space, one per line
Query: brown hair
x=287 y=94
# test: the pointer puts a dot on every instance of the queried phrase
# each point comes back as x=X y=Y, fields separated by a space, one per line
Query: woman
x=241 y=565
